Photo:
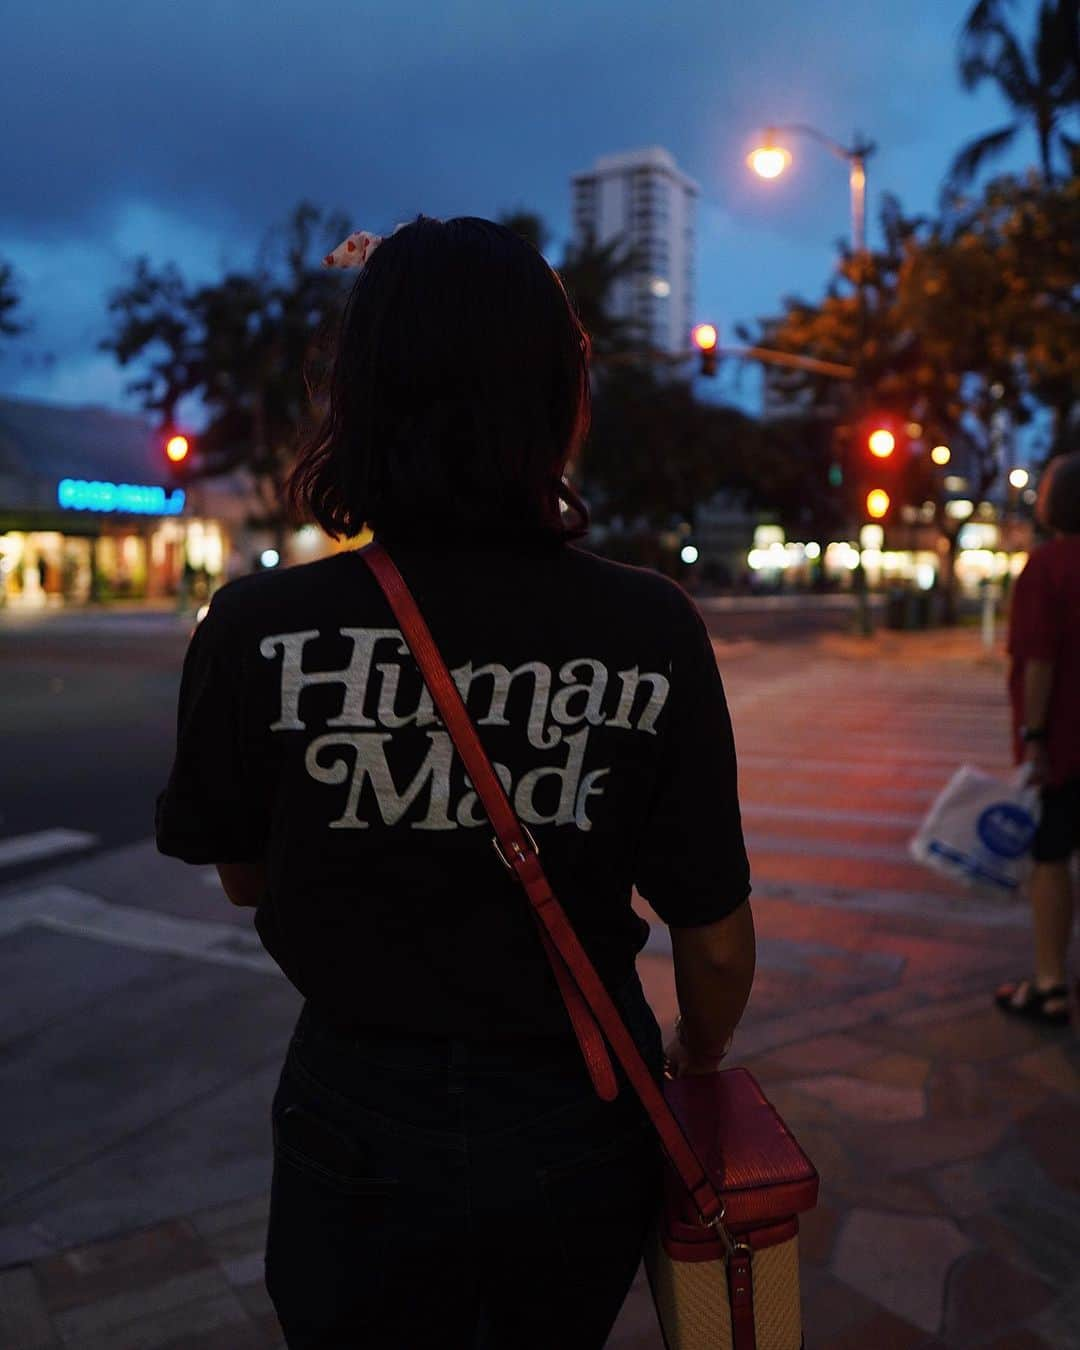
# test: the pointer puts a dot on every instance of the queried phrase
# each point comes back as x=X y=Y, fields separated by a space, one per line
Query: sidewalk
x=947 y=1136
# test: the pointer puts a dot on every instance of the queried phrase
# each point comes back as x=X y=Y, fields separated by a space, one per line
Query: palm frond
x=972 y=44
x=1056 y=58
x=981 y=15
x=970 y=159
x=1010 y=68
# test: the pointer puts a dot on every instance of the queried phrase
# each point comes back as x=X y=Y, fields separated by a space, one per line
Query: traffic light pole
x=761 y=354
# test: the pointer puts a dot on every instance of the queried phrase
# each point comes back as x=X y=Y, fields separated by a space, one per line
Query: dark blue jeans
x=451 y=1194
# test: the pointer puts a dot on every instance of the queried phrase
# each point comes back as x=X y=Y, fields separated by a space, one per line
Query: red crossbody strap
x=513 y=841
x=561 y=942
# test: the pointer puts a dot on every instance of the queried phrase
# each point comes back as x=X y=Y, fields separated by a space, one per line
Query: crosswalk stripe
x=67 y=910
x=938 y=768
x=24 y=848
x=830 y=815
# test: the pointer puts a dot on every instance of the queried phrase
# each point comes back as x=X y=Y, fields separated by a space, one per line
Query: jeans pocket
x=609 y=1181
x=307 y=1142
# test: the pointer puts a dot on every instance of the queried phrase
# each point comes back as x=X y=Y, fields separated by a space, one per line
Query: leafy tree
x=9 y=303
x=241 y=347
x=1041 y=85
x=967 y=327
x=655 y=453
x=993 y=294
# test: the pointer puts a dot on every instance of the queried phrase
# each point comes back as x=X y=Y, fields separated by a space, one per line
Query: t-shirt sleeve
x=211 y=810
x=691 y=863
x=1036 y=615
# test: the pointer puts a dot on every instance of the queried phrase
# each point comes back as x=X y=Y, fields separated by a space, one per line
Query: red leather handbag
x=723 y=1261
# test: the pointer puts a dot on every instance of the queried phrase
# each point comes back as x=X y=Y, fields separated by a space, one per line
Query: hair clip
x=354 y=251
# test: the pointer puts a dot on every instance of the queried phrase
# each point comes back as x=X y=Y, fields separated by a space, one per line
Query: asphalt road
x=89 y=702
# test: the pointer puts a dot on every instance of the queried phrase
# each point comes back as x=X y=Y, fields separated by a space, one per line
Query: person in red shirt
x=1044 y=683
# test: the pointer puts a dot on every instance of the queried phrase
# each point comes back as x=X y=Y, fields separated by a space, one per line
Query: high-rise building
x=643 y=199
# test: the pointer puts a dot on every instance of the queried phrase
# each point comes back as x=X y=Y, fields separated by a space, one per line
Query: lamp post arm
x=840 y=151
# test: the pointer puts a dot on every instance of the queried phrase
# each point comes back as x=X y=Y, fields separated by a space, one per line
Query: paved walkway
x=133 y=1205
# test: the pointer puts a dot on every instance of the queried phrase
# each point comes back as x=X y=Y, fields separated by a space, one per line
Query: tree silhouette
x=242 y=347
x=1040 y=85
x=9 y=303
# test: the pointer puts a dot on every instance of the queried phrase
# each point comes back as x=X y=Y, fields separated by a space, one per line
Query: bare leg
x=1052 y=912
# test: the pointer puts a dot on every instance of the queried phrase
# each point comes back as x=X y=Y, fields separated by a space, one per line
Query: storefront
x=87 y=512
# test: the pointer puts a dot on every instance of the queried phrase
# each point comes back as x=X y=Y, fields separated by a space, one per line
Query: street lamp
x=770 y=159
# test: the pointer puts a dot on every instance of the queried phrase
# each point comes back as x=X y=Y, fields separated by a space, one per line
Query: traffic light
x=877 y=503
x=881 y=442
x=177 y=448
x=706 y=339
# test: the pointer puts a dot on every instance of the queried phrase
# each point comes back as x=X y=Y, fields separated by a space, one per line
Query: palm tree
x=9 y=302
x=1041 y=86
x=590 y=271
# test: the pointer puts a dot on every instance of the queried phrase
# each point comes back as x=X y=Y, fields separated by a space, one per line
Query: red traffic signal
x=706 y=339
x=881 y=442
x=177 y=449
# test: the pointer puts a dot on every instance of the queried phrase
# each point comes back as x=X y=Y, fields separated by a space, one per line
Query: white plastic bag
x=979 y=831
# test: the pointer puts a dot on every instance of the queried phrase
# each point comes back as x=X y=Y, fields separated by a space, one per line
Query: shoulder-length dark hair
x=457 y=392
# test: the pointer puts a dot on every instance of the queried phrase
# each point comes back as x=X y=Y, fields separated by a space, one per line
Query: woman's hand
x=681 y=1062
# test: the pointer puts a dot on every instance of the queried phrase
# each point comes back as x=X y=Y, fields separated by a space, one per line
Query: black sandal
x=1023 y=998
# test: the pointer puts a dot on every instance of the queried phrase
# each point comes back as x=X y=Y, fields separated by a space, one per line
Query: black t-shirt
x=307 y=740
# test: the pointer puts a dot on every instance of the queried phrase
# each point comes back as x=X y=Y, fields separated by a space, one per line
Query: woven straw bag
x=723 y=1262
x=765 y=1181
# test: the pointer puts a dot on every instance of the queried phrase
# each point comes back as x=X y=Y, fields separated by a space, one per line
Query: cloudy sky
x=185 y=128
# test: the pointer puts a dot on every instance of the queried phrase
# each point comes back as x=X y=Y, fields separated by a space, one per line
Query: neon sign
x=76 y=494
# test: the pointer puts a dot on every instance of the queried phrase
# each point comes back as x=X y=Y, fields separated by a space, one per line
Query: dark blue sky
x=184 y=130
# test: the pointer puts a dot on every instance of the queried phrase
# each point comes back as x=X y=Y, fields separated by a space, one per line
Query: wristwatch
x=1032 y=735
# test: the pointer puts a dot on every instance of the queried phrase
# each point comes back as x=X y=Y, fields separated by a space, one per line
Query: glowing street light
x=941 y=454
x=769 y=161
x=1019 y=478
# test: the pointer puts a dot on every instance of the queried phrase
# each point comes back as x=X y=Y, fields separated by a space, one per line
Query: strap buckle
x=520 y=853
x=716 y=1223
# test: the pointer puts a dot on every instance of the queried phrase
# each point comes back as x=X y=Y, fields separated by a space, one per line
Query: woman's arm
x=714 y=969
x=1038 y=684
x=243 y=883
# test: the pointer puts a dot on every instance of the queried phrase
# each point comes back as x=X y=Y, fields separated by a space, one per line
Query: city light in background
x=176 y=448
x=1019 y=478
x=941 y=454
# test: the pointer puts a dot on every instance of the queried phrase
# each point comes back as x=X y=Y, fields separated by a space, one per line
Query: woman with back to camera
x=445 y=1174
